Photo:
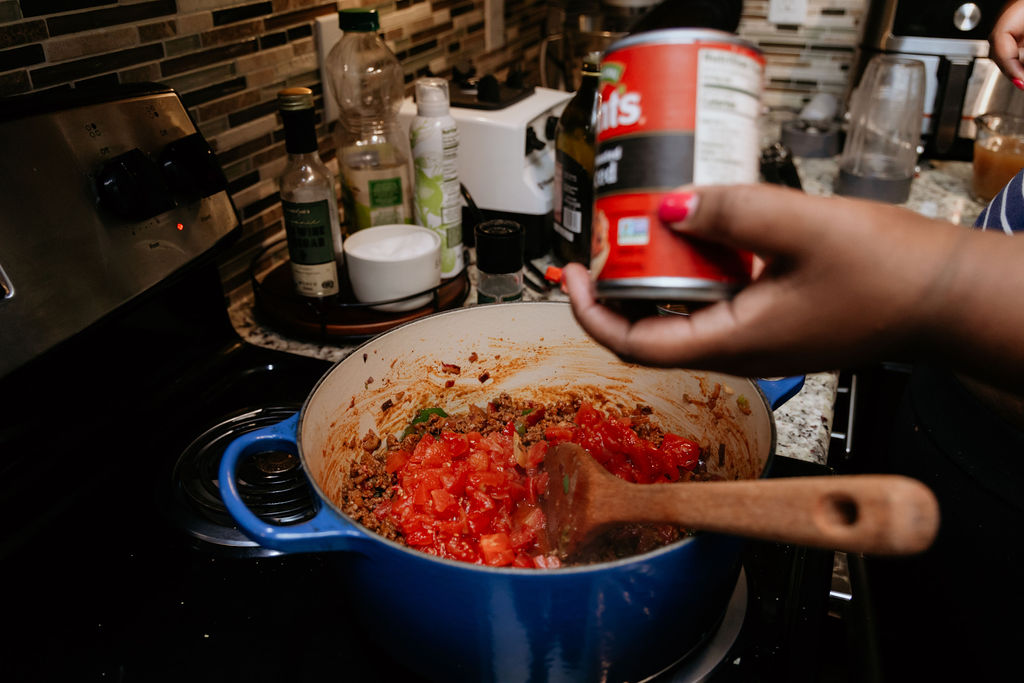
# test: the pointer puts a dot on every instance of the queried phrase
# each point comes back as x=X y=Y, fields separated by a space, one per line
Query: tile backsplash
x=228 y=59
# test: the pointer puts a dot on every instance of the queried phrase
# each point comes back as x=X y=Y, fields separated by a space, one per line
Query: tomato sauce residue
x=462 y=492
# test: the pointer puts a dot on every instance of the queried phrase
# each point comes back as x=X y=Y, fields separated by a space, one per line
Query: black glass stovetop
x=105 y=581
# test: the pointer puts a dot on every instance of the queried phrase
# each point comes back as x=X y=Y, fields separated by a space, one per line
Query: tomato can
x=678 y=106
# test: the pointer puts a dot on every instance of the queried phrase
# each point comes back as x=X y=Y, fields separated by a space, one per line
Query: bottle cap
x=553 y=274
x=431 y=96
x=592 y=62
x=295 y=99
x=500 y=245
x=358 y=20
x=299 y=119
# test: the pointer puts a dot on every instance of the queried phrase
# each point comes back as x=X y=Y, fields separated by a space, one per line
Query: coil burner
x=272 y=483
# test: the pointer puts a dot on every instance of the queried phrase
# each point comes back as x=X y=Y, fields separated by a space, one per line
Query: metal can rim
x=681 y=36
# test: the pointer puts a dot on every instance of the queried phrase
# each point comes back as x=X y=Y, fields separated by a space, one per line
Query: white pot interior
x=535 y=350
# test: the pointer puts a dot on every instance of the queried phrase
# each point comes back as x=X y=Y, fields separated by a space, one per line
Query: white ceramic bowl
x=391 y=261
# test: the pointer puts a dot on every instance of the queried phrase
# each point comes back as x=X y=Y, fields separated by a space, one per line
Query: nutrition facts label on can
x=728 y=105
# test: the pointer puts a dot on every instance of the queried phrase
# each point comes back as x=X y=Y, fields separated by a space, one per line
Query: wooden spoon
x=875 y=514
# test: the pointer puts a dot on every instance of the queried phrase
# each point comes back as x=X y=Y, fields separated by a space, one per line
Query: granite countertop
x=804 y=423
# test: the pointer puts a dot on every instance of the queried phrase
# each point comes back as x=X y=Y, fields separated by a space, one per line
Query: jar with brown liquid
x=998 y=153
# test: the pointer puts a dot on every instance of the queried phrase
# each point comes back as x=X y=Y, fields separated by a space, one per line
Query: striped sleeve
x=1006 y=210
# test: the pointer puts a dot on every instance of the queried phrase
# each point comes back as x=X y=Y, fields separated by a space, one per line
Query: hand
x=845 y=281
x=1005 y=40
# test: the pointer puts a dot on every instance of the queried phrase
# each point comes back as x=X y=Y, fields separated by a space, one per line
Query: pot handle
x=325 y=531
x=778 y=391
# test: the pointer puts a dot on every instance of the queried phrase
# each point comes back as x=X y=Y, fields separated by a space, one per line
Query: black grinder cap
x=500 y=245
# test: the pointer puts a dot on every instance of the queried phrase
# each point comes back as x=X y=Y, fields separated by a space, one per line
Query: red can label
x=677 y=107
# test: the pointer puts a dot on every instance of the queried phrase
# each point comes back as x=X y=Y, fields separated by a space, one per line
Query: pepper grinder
x=500 y=248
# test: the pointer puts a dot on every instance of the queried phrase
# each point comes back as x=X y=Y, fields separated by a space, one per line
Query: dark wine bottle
x=574 y=168
x=308 y=199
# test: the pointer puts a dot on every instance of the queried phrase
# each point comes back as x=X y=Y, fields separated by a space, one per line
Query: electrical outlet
x=494 y=24
x=327 y=33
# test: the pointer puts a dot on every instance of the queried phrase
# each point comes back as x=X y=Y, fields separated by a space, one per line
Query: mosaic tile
x=122 y=14
x=158 y=30
x=14 y=83
x=9 y=11
x=21 y=56
x=25 y=32
x=233 y=14
x=37 y=8
x=91 y=43
x=302 y=16
x=90 y=66
x=196 y=60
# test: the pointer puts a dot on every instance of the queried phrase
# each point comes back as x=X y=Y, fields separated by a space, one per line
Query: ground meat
x=369 y=484
x=370 y=442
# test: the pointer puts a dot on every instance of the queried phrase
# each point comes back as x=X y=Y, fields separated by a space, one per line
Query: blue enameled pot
x=616 y=621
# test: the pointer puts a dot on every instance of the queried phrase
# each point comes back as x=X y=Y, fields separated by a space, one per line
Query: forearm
x=974 y=322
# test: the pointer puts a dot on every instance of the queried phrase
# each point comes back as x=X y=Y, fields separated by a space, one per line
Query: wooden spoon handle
x=876 y=514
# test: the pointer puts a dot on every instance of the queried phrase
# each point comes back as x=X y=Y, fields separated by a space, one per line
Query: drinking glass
x=998 y=153
x=879 y=157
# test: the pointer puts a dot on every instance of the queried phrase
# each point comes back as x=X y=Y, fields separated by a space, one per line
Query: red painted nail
x=1019 y=83
x=675 y=207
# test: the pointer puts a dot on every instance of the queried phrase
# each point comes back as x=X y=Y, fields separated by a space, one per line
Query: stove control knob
x=131 y=186
x=533 y=143
x=550 y=127
x=967 y=16
x=191 y=168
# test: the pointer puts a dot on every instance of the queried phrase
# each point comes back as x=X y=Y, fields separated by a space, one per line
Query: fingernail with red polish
x=1019 y=83
x=675 y=207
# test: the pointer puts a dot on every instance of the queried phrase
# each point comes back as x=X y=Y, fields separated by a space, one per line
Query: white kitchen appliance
x=507 y=160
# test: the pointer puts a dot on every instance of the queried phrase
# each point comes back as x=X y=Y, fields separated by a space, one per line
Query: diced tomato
x=494 y=479
x=456 y=444
x=460 y=548
x=479 y=461
x=523 y=561
x=535 y=415
x=546 y=562
x=419 y=537
x=534 y=519
x=587 y=415
x=395 y=461
x=535 y=454
x=539 y=485
x=496 y=549
x=422 y=495
x=558 y=433
x=522 y=537
x=442 y=499
x=683 y=452
x=480 y=521
x=465 y=496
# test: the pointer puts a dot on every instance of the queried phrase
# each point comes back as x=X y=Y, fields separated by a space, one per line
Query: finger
x=1006 y=54
x=745 y=216
x=1005 y=43
x=604 y=325
x=666 y=341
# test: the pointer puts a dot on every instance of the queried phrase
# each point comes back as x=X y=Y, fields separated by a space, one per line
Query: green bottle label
x=310 y=247
x=387 y=192
x=308 y=228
